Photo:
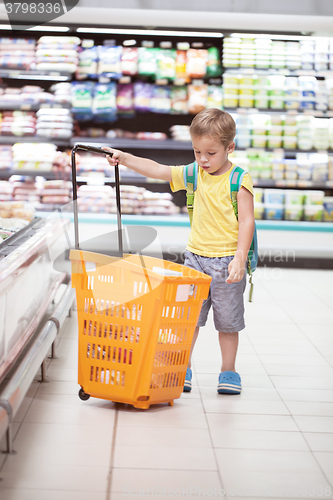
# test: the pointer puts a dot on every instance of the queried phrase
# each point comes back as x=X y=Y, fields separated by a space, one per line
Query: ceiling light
x=111 y=31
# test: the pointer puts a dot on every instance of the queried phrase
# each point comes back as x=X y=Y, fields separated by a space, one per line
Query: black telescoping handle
x=92 y=149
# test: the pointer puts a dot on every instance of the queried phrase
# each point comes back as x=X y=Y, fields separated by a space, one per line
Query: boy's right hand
x=117 y=156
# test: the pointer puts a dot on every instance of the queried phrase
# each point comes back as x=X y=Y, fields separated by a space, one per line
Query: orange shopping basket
x=136 y=319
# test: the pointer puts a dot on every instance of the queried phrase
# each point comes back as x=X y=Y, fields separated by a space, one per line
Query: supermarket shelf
x=183 y=221
x=133 y=179
x=277 y=71
x=299 y=184
x=281 y=111
x=9 y=139
x=133 y=143
x=20 y=74
x=31 y=106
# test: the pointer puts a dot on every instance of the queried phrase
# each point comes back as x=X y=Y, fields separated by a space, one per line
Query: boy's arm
x=245 y=234
x=143 y=166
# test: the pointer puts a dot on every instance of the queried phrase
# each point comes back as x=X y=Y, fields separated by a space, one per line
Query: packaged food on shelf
x=328 y=209
x=17 y=53
x=96 y=199
x=214 y=97
x=181 y=62
x=179 y=101
x=82 y=100
x=104 y=102
x=196 y=63
x=160 y=101
x=313 y=212
x=54 y=123
x=147 y=64
x=197 y=98
x=293 y=212
x=18 y=123
x=214 y=67
x=143 y=93
x=109 y=63
x=62 y=93
x=34 y=156
x=274 y=196
x=294 y=197
x=16 y=210
x=274 y=211
x=259 y=210
x=6 y=191
x=125 y=99
x=314 y=197
x=166 y=64
x=129 y=61
x=6 y=157
x=157 y=203
x=56 y=53
x=88 y=60
x=180 y=132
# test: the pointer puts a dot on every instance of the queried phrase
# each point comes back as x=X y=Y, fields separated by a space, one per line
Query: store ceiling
x=298 y=7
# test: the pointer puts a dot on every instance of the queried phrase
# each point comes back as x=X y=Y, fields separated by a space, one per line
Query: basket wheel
x=171 y=403
x=83 y=396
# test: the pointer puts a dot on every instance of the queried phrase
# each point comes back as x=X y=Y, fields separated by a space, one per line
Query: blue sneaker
x=188 y=381
x=229 y=383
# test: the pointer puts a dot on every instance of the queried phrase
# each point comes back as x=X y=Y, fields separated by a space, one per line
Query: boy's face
x=211 y=155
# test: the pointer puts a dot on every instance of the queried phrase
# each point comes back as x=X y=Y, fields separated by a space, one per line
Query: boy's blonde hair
x=214 y=123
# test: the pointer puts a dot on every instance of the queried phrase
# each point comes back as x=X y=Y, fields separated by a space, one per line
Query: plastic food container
x=293 y=212
x=290 y=142
x=294 y=197
x=274 y=141
x=258 y=195
x=259 y=141
x=313 y=212
x=259 y=210
x=328 y=209
x=274 y=211
x=274 y=196
x=314 y=197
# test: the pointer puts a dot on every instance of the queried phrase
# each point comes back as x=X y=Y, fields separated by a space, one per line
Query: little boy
x=218 y=244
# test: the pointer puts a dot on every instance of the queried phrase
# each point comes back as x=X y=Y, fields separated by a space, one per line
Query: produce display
x=294 y=205
x=280 y=94
x=305 y=168
x=264 y=52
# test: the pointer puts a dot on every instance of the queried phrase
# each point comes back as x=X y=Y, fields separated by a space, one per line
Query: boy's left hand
x=236 y=270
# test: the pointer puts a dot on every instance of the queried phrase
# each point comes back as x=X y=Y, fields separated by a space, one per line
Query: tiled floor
x=275 y=440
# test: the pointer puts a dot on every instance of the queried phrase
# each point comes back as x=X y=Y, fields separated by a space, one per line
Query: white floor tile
x=266 y=473
x=314 y=424
x=319 y=441
x=274 y=440
x=40 y=494
x=130 y=482
x=259 y=422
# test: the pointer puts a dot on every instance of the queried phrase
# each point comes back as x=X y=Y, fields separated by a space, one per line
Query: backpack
x=236 y=178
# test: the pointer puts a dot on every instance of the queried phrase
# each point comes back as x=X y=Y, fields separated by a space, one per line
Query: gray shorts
x=226 y=298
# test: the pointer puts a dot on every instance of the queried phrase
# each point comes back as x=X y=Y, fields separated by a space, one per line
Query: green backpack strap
x=236 y=177
x=190 y=180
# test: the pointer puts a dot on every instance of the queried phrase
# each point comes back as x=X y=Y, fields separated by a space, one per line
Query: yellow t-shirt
x=214 y=230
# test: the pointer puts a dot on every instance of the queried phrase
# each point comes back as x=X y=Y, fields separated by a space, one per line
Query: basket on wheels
x=135 y=326
x=136 y=319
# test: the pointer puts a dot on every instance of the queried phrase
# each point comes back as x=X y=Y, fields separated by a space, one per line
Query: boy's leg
x=229 y=346
x=188 y=377
x=195 y=336
x=229 y=379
